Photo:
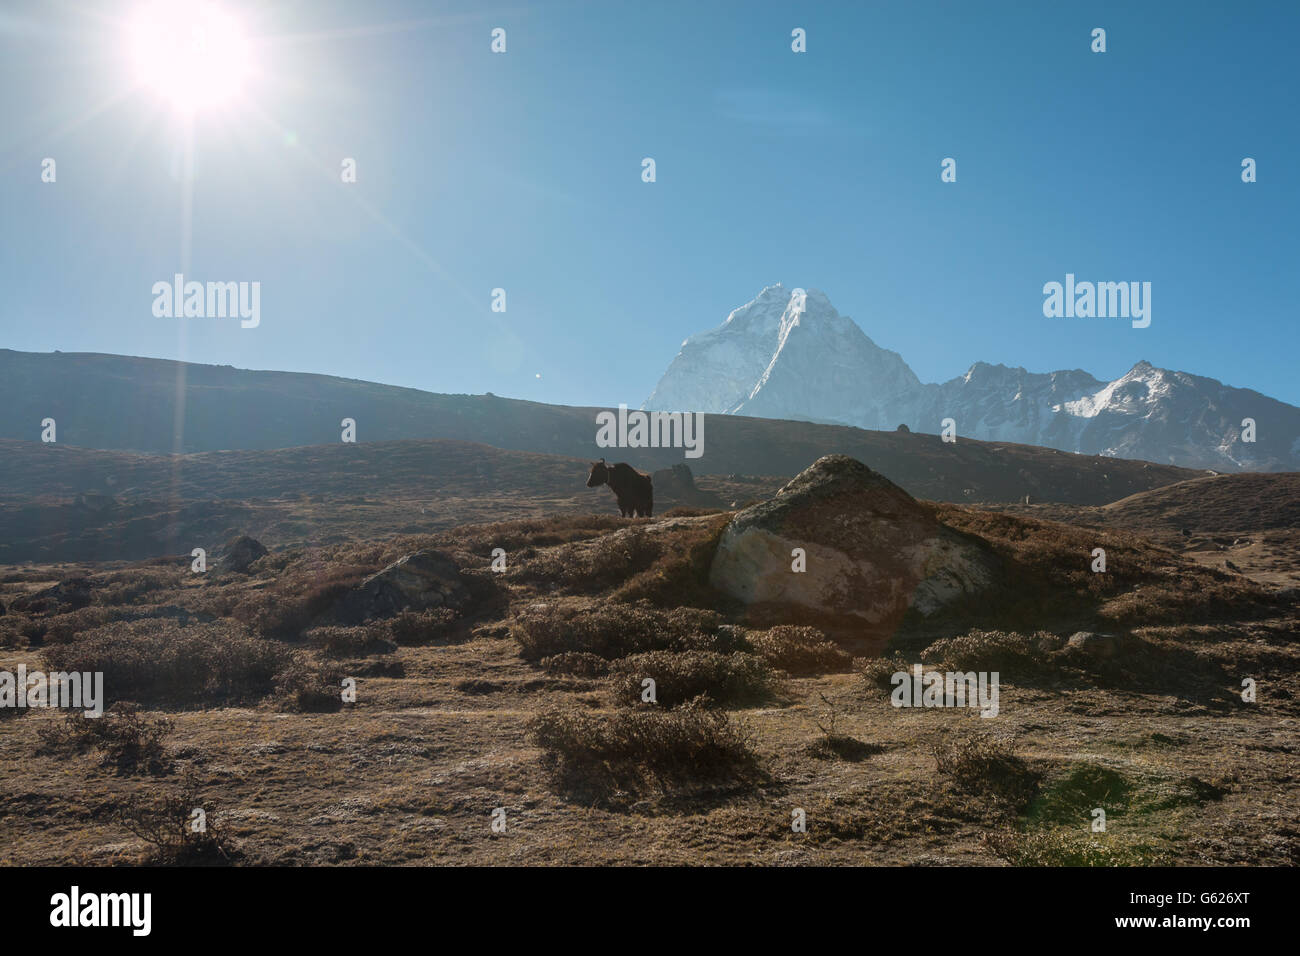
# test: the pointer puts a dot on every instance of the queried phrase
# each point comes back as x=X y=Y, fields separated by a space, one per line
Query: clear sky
x=522 y=170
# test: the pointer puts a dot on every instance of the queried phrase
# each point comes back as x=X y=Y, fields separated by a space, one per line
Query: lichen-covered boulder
x=871 y=550
x=417 y=582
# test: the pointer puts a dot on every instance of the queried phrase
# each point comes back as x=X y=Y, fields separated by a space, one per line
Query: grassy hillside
x=131 y=404
x=527 y=697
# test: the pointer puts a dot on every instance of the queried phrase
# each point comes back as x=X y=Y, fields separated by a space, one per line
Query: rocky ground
x=499 y=718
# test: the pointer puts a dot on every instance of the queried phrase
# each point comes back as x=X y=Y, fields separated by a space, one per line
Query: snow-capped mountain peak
x=787 y=353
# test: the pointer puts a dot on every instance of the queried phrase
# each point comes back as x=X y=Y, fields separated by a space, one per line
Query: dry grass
x=681 y=676
x=509 y=704
x=128 y=740
x=798 y=650
x=644 y=751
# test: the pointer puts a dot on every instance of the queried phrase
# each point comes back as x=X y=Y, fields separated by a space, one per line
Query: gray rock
x=1049 y=643
x=1090 y=646
x=417 y=582
x=67 y=595
x=872 y=550
x=242 y=552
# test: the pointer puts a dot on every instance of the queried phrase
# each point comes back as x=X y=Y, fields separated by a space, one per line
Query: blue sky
x=523 y=171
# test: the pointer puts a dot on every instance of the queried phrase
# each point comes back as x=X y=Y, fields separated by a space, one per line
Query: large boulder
x=677 y=485
x=872 y=551
x=417 y=582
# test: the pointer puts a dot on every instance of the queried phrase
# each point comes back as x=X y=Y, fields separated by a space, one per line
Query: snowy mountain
x=788 y=354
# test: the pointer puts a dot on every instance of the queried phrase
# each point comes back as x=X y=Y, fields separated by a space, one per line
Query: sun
x=189 y=52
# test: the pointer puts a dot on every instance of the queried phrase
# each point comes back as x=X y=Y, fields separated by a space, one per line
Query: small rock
x=1092 y=646
x=242 y=552
x=417 y=582
x=1049 y=643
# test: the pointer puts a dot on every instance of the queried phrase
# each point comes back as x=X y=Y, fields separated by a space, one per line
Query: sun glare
x=190 y=52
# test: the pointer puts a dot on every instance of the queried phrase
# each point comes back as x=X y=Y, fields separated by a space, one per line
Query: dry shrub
x=128 y=740
x=616 y=630
x=518 y=536
x=798 y=650
x=643 y=750
x=592 y=567
x=11 y=631
x=987 y=767
x=576 y=664
x=1048 y=567
x=680 y=573
x=987 y=651
x=1206 y=599
x=161 y=661
x=62 y=628
x=298 y=599
x=421 y=627
x=878 y=672
x=307 y=688
x=132 y=585
x=337 y=641
x=682 y=676
x=168 y=823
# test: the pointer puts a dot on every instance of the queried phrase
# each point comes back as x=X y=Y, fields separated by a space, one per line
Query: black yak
x=634 y=491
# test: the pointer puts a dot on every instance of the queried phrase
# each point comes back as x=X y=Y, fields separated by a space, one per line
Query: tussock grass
x=645 y=750
x=798 y=650
x=617 y=630
x=158 y=661
x=1002 y=651
x=986 y=766
x=683 y=676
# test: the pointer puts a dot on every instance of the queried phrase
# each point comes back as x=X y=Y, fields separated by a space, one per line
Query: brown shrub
x=169 y=824
x=132 y=585
x=878 y=672
x=161 y=661
x=421 y=627
x=593 y=567
x=520 y=535
x=127 y=739
x=798 y=650
x=337 y=641
x=679 y=575
x=62 y=628
x=987 y=651
x=576 y=664
x=989 y=768
x=307 y=688
x=643 y=750
x=1048 y=567
x=298 y=599
x=681 y=676
x=615 y=630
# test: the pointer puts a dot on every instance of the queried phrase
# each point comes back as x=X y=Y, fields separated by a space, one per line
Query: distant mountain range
x=155 y=406
x=789 y=354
